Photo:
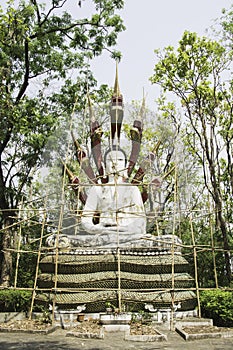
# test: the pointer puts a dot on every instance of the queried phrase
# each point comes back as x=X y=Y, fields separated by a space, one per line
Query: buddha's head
x=115 y=161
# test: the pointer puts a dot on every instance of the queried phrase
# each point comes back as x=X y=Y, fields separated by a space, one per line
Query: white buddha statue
x=122 y=219
x=114 y=214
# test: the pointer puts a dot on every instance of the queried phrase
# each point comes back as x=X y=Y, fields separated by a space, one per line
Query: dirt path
x=58 y=341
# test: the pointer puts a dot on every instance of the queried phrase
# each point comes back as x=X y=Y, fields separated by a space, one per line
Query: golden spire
x=116 y=91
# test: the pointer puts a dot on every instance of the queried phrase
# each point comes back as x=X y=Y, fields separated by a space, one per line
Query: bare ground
x=93 y=326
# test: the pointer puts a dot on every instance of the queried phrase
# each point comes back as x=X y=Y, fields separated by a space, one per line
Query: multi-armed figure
x=113 y=213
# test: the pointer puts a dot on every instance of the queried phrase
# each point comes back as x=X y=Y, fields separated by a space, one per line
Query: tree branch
x=26 y=75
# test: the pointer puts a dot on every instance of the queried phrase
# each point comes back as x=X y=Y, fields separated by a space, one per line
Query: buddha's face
x=115 y=162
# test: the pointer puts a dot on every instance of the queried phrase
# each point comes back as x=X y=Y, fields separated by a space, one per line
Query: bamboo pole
x=212 y=244
x=173 y=251
x=119 y=278
x=18 y=246
x=87 y=290
x=60 y=221
x=195 y=266
x=118 y=251
x=38 y=258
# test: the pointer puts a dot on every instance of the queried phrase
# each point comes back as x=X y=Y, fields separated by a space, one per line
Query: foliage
x=45 y=318
x=41 y=45
x=26 y=268
x=194 y=73
x=143 y=317
x=15 y=300
x=227 y=27
x=44 y=74
x=218 y=305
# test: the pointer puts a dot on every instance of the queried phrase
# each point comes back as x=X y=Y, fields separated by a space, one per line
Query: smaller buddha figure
x=114 y=213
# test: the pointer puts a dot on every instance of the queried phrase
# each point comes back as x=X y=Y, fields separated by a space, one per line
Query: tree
x=44 y=76
x=226 y=28
x=194 y=73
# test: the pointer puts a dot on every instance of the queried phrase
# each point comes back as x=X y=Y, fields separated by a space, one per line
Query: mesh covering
x=109 y=279
x=92 y=277
x=95 y=301
x=83 y=264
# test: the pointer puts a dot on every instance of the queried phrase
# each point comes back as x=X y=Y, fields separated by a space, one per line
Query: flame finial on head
x=116 y=92
x=116 y=111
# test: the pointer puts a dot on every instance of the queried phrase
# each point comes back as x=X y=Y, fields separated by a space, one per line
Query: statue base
x=130 y=278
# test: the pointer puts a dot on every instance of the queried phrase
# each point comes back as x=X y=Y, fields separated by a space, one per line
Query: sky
x=150 y=25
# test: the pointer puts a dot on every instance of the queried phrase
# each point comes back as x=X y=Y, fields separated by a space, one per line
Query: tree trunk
x=221 y=221
x=226 y=247
x=216 y=194
x=6 y=268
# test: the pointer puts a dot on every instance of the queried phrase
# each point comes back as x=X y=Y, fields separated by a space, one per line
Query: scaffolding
x=37 y=215
x=36 y=247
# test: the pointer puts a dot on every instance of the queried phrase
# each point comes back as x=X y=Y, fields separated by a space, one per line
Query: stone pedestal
x=92 y=277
